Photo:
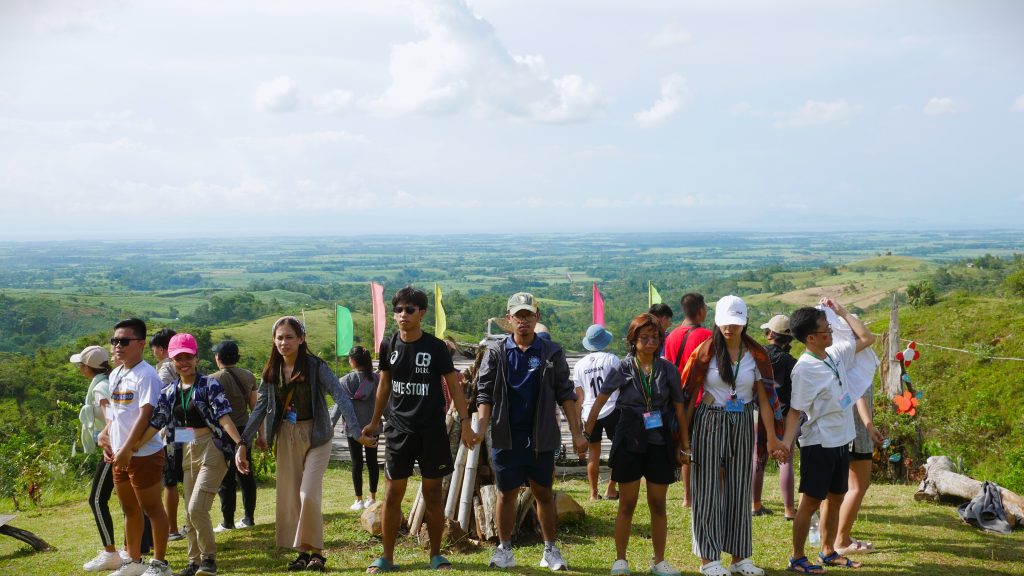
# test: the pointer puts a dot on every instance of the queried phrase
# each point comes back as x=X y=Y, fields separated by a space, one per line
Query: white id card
x=845 y=401
x=184 y=435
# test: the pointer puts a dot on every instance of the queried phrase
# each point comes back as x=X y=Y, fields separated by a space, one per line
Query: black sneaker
x=189 y=570
x=207 y=568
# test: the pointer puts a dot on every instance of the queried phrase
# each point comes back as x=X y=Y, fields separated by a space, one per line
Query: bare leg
x=546 y=512
x=506 y=514
x=860 y=479
x=656 y=495
x=435 y=513
x=594 y=468
x=628 y=493
x=684 y=475
x=802 y=523
x=149 y=501
x=392 y=520
x=171 y=507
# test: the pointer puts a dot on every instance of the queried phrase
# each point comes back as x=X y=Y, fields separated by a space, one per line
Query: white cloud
x=674 y=97
x=670 y=37
x=1018 y=104
x=940 y=107
x=277 y=96
x=298 y=142
x=815 y=113
x=462 y=66
x=333 y=102
x=73 y=20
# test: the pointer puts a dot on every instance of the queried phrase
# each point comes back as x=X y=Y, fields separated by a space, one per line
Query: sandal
x=856 y=547
x=299 y=563
x=381 y=565
x=440 y=563
x=620 y=568
x=762 y=511
x=746 y=567
x=802 y=565
x=837 y=559
x=317 y=563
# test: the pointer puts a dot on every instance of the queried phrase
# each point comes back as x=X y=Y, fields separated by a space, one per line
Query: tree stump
x=37 y=543
x=942 y=483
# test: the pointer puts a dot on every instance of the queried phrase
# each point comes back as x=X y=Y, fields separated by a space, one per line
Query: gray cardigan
x=321 y=382
x=555 y=388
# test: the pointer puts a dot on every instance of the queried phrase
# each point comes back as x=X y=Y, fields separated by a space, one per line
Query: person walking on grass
x=196 y=414
x=734 y=375
x=94 y=363
x=521 y=380
x=173 y=474
x=361 y=386
x=413 y=367
x=821 y=393
x=679 y=346
x=240 y=387
x=589 y=374
x=650 y=397
x=291 y=405
x=138 y=467
x=776 y=332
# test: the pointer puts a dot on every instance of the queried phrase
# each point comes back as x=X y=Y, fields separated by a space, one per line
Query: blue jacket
x=208 y=397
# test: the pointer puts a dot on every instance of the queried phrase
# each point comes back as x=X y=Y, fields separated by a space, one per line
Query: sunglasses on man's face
x=123 y=342
x=406 y=309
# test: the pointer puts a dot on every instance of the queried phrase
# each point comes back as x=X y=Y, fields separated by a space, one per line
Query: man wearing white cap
x=588 y=375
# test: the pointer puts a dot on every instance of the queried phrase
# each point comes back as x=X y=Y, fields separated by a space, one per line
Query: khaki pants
x=204 y=467
x=300 y=486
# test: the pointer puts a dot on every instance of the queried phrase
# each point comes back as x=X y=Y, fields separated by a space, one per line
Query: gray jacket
x=322 y=382
x=555 y=388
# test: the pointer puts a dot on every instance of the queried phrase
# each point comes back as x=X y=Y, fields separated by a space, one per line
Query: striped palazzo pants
x=720 y=479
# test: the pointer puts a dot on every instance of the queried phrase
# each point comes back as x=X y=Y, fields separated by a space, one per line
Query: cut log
x=484 y=531
x=567 y=509
x=526 y=516
x=371 y=518
x=942 y=482
x=37 y=543
x=489 y=503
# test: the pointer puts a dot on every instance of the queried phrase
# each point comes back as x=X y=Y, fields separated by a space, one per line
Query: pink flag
x=598 y=307
x=379 y=314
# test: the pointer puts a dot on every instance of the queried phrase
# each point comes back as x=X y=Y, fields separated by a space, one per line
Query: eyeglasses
x=829 y=331
x=406 y=309
x=648 y=339
x=123 y=342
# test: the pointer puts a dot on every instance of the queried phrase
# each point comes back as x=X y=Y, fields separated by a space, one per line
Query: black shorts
x=606 y=424
x=429 y=448
x=657 y=465
x=824 y=471
x=861 y=455
x=515 y=467
x=174 y=472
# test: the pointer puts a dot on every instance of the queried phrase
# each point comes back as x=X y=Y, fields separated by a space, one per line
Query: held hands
x=370 y=430
x=777 y=449
x=581 y=445
x=368 y=441
x=470 y=438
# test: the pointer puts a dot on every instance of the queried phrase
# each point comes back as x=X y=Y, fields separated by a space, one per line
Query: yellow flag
x=440 y=321
x=652 y=295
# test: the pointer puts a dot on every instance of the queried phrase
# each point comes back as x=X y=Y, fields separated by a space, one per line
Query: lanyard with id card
x=291 y=416
x=734 y=404
x=652 y=419
x=844 y=401
x=184 y=434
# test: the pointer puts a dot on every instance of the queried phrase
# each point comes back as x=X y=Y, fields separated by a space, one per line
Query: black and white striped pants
x=99 y=501
x=722 y=442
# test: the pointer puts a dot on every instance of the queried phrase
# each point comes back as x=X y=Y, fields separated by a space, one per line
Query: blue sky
x=264 y=118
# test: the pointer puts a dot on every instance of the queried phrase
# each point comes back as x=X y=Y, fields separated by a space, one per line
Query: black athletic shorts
x=429 y=448
x=824 y=471
x=607 y=424
x=656 y=465
x=515 y=467
x=861 y=455
x=174 y=473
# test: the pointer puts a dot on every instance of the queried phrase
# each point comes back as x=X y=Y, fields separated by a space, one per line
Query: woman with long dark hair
x=650 y=399
x=361 y=387
x=734 y=373
x=292 y=406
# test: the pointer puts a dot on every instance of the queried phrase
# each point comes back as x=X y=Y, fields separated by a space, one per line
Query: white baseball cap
x=91 y=356
x=731 y=310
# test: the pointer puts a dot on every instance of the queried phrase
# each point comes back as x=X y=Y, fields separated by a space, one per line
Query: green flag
x=652 y=295
x=345 y=331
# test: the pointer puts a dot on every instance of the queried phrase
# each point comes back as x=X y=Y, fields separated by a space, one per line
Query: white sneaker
x=124 y=555
x=244 y=523
x=130 y=569
x=158 y=568
x=220 y=528
x=620 y=568
x=356 y=506
x=553 y=559
x=368 y=503
x=502 y=558
x=105 y=561
x=746 y=567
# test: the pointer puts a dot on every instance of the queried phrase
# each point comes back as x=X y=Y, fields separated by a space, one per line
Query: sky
x=153 y=120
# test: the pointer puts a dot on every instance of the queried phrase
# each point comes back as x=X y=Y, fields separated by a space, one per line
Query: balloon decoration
x=909 y=355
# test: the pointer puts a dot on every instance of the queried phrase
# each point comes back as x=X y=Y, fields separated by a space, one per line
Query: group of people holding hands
x=697 y=399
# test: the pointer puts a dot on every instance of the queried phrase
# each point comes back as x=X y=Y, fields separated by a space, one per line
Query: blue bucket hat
x=597 y=338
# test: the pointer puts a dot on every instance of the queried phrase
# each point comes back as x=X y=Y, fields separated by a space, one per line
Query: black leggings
x=356 y=450
x=228 y=497
x=99 y=501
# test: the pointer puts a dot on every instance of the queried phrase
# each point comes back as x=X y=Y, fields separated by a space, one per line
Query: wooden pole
x=456 y=482
x=892 y=368
x=469 y=481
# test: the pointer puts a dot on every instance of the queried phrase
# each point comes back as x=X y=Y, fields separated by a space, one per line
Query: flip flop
x=436 y=563
x=381 y=565
x=762 y=511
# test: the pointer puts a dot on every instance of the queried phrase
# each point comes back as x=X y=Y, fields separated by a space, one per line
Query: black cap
x=227 y=350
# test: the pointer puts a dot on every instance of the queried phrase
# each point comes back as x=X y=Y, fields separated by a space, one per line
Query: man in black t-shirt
x=412 y=366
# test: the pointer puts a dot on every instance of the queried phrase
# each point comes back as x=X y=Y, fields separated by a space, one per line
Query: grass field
x=913 y=538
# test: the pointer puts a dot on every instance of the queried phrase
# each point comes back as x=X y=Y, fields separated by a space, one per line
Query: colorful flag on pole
x=598 y=307
x=380 y=317
x=652 y=295
x=440 y=320
x=345 y=330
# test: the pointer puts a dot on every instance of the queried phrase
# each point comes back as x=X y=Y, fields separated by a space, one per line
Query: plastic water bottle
x=814 y=534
